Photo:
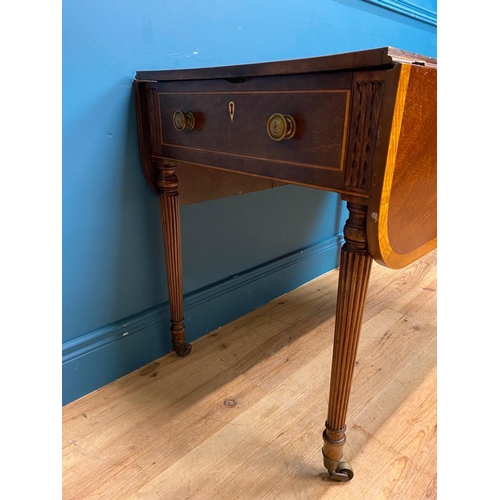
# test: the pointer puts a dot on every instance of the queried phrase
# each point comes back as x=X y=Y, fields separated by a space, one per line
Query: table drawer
x=235 y=123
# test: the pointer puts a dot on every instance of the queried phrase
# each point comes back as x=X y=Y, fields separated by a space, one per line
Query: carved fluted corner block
x=367 y=100
x=171 y=228
x=355 y=266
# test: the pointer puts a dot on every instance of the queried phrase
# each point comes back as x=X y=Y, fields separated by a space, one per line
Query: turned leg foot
x=355 y=265
x=181 y=347
x=338 y=470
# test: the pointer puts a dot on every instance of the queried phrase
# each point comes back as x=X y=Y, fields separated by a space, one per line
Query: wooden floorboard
x=241 y=417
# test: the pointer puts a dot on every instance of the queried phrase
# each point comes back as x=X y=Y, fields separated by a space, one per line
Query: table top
x=383 y=57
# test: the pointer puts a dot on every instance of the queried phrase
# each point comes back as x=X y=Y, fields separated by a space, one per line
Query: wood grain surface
x=402 y=221
x=242 y=416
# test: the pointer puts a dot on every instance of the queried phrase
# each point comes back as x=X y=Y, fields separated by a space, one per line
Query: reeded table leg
x=171 y=228
x=355 y=265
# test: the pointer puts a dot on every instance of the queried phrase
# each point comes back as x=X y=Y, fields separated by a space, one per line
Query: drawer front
x=234 y=123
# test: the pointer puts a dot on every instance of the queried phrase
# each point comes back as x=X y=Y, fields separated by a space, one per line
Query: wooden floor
x=241 y=417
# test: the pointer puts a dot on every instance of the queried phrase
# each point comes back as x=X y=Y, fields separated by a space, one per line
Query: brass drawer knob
x=281 y=127
x=183 y=120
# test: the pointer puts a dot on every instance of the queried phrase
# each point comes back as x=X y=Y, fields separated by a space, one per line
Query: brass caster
x=342 y=473
x=183 y=349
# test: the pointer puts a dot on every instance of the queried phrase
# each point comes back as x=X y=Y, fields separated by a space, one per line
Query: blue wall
x=238 y=252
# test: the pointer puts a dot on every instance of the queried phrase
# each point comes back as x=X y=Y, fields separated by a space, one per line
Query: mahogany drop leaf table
x=362 y=124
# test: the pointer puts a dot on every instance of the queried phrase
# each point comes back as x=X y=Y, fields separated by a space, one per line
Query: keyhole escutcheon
x=231 y=110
